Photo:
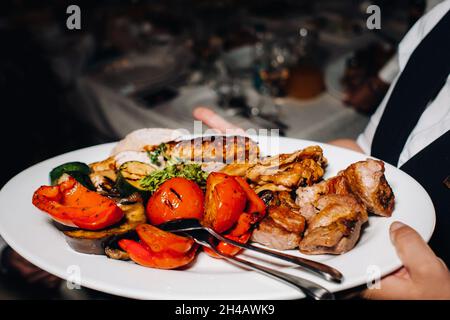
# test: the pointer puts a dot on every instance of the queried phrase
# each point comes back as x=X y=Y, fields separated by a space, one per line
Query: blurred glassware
x=273 y=56
x=305 y=79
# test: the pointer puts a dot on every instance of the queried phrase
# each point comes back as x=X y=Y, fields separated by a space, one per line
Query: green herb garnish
x=191 y=171
x=155 y=154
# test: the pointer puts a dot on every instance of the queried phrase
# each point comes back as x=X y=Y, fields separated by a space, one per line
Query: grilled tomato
x=177 y=198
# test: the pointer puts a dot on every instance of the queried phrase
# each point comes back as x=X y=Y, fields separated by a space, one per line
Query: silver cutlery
x=317 y=268
x=309 y=288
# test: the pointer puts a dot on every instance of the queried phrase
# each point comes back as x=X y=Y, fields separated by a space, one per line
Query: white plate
x=30 y=233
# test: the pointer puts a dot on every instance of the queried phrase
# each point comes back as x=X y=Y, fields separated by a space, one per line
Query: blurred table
x=114 y=114
x=322 y=118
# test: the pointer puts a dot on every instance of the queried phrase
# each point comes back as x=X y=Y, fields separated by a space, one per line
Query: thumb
x=413 y=251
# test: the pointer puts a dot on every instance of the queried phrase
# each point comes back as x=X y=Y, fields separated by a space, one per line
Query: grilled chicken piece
x=139 y=139
x=237 y=169
x=212 y=166
x=282 y=227
x=336 y=228
x=284 y=171
x=225 y=149
x=303 y=167
x=269 y=187
x=292 y=175
x=367 y=181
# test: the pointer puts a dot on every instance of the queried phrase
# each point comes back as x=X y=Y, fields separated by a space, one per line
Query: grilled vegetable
x=255 y=205
x=158 y=154
x=190 y=171
x=176 y=198
x=72 y=204
x=96 y=242
x=130 y=175
x=225 y=200
x=159 y=249
x=78 y=170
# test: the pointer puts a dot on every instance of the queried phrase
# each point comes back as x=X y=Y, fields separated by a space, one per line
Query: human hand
x=25 y=270
x=423 y=275
x=347 y=144
x=215 y=121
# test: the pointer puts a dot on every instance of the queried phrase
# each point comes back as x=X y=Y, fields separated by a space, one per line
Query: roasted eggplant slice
x=94 y=242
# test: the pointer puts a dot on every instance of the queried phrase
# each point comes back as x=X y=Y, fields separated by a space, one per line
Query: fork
x=309 y=288
x=324 y=271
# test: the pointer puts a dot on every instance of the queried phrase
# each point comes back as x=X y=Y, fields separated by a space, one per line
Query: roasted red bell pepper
x=241 y=232
x=225 y=207
x=231 y=250
x=159 y=249
x=158 y=240
x=72 y=204
x=225 y=200
x=254 y=203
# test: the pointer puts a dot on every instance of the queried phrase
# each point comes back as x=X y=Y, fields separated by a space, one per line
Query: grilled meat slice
x=334 y=207
x=307 y=196
x=364 y=179
x=335 y=210
x=367 y=181
x=335 y=229
x=269 y=187
x=225 y=149
x=287 y=218
x=284 y=171
x=291 y=175
x=282 y=227
x=303 y=167
x=237 y=169
x=272 y=235
x=337 y=238
x=139 y=139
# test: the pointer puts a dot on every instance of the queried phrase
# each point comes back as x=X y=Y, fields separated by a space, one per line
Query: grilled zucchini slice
x=130 y=175
x=78 y=170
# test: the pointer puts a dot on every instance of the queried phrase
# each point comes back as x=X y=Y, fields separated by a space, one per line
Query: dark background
x=34 y=90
